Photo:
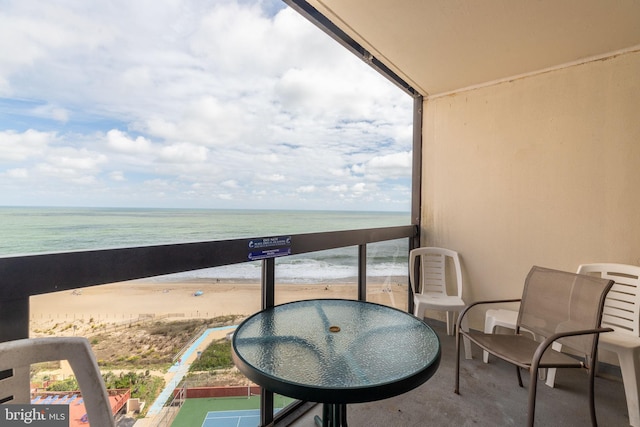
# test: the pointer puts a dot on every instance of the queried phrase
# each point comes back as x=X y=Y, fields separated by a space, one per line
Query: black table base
x=333 y=415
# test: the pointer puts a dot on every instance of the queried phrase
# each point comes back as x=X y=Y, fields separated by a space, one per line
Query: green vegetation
x=216 y=356
x=187 y=327
x=142 y=385
x=70 y=384
x=174 y=329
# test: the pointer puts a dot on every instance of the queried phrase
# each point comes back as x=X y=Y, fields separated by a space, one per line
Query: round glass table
x=335 y=352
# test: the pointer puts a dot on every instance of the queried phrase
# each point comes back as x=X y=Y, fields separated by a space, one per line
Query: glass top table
x=335 y=352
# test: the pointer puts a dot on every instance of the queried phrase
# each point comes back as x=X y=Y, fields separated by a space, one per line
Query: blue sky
x=189 y=103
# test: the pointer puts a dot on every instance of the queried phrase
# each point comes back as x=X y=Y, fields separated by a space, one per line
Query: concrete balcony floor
x=490 y=396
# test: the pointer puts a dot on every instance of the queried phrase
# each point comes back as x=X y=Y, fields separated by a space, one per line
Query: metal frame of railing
x=24 y=276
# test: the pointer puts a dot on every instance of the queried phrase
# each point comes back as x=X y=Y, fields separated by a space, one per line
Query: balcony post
x=268 y=282
x=416 y=184
x=14 y=319
x=14 y=325
x=268 y=300
x=362 y=272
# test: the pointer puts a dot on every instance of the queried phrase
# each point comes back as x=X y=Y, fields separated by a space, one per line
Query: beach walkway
x=177 y=372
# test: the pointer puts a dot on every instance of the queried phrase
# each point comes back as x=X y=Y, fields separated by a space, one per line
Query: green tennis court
x=244 y=418
x=194 y=411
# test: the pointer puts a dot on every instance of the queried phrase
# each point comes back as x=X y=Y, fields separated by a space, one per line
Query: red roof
x=77 y=411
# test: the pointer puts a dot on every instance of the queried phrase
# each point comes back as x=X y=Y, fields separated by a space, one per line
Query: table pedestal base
x=333 y=415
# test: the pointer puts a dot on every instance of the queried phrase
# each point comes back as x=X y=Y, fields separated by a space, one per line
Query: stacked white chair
x=433 y=294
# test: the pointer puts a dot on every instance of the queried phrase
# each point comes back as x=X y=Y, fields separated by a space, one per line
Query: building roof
x=77 y=410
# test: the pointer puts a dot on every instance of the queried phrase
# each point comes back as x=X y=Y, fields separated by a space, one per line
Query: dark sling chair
x=560 y=306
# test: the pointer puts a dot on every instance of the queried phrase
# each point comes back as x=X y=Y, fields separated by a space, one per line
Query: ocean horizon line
x=201 y=209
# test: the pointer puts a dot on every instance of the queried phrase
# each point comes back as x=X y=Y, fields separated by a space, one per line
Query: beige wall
x=543 y=170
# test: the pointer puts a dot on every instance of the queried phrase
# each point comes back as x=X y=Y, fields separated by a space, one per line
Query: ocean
x=32 y=230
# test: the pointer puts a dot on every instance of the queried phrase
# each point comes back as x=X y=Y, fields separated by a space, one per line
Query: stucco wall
x=542 y=170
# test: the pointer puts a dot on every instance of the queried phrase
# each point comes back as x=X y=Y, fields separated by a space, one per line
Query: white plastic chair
x=622 y=313
x=433 y=293
x=16 y=357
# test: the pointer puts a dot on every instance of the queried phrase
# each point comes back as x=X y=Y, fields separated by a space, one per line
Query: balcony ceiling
x=440 y=46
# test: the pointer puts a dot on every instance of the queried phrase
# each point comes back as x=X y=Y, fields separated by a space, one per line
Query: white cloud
x=121 y=142
x=64 y=174
x=359 y=188
x=270 y=158
x=358 y=169
x=16 y=146
x=158 y=185
x=160 y=127
x=78 y=166
x=394 y=165
x=276 y=177
x=52 y=112
x=117 y=176
x=340 y=188
x=181 y=99
x=183 y=153
x=306 y=189
x=81 y=160
x=231 y=183
x=18 y=173
x=391 y=161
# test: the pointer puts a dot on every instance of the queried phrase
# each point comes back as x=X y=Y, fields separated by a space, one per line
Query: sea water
x=32 y=230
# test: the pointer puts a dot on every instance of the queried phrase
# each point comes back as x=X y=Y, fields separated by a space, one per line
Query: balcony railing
x=24 y=276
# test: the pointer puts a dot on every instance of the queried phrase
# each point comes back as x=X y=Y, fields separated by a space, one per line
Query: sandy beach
x=126 y=301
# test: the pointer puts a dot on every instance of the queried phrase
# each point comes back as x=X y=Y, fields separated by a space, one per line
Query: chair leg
x=592 y=403
x=551 y=372
x=519 y=376
x=489 y=326
x=630 y=367
x=418 y=311
x=457 y=388
x=450 y=323
x=467 y=344
x=533 y=386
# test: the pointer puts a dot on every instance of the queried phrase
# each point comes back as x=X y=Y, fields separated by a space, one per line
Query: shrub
x=142 y=386
x=216 y=356
x=70 y=384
